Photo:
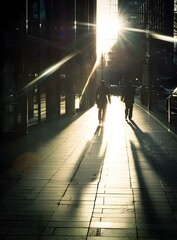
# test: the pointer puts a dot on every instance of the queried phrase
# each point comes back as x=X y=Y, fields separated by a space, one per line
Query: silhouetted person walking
x=128 y=98
x=102 y=98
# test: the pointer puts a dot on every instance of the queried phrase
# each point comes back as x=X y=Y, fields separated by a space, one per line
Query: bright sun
x=108 y=25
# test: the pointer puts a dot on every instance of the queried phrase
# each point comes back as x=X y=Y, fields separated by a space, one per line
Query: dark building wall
x=155 y=16
x=49 y=36
x=161 y=22
x=13 y=62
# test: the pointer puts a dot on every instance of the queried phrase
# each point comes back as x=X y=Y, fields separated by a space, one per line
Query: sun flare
x=107 y=26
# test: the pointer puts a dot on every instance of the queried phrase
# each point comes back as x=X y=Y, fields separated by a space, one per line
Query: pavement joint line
x=81 y=159
x=112 y=208
x=132 y=188
x=97 y=188
x=157 y=120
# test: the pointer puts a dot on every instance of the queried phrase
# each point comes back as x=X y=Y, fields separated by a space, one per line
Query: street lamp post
x=147 y=69
x=102 y=66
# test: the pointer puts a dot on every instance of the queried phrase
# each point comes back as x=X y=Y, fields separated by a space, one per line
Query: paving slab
x=72 y=179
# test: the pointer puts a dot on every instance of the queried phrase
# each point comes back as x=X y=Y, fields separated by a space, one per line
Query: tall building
x=128 y=9
x=48 y=52
x=154 y=18
x=157 y=17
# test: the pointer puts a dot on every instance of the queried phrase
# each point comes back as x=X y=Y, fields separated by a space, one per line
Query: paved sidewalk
x=71 y=180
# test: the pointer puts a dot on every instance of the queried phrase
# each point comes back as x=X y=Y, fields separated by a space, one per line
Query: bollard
x=169 y=109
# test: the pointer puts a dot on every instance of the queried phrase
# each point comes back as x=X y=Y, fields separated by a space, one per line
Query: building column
x=70 y=96
x=52 y=98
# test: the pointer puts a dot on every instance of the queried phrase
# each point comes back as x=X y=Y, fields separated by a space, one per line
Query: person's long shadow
x=90 y=167
x=154 y=215
x=80 y=196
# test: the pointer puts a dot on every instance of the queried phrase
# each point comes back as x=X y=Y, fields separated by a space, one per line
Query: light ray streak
x=135 y=30
x=88 y=80
x=49 y=71
x=163 y=37
x=153 y=34
x=85 y=24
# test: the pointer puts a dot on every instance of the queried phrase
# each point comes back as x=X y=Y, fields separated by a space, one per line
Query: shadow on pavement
x=40 y=134
x=151 y=196
x=77 y=203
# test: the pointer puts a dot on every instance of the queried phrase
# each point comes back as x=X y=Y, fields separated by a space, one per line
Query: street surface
x=70 y=179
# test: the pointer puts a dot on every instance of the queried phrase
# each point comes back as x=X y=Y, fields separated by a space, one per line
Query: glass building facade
x=154 y=18
x=49 y=50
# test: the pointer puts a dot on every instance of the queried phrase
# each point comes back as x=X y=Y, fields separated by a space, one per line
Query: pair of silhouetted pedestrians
x=103 y=97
